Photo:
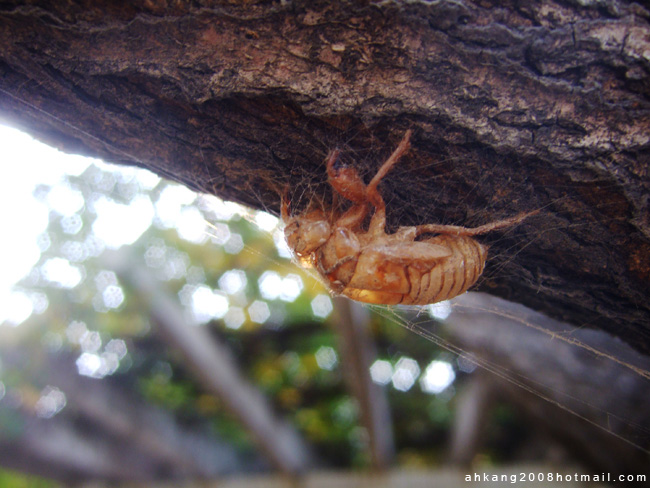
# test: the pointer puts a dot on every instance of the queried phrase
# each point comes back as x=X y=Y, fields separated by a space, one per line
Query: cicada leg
x=457 y=230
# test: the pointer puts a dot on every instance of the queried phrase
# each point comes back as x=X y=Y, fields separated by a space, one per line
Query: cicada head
x=307 y=233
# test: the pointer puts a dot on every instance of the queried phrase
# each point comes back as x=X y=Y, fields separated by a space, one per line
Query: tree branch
x=214 y=367
x=512 y=109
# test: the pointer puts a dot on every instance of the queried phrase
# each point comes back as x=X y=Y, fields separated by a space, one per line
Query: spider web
x=460 y=332
x=585 y=373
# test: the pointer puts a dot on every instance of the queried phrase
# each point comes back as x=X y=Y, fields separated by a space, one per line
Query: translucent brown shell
x=372 y=266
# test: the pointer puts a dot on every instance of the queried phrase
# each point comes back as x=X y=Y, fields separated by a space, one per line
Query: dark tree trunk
x=518 y=106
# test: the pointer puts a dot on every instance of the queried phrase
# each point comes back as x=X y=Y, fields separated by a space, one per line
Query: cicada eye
x=291 y=233
x=307 y=236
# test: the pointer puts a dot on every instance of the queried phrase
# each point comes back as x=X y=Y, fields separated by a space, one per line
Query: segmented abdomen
x=421 y=284
x=451 y=276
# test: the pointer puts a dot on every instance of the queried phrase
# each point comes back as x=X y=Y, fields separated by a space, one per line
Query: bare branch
x=214 y=367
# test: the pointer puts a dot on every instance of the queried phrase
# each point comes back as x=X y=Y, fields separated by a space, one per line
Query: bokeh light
x=437 y=377
x=233 y=281
x=206 y=258
x=326 y=358
x=381 y=371
x=440 y=310
x=206 y=304
x=322 y=306
x=51 y=402
x=259 y=311
x=59 y=272
x=405 y=374
x=118 y=224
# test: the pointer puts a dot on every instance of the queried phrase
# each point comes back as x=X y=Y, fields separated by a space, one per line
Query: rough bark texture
x=514 y=105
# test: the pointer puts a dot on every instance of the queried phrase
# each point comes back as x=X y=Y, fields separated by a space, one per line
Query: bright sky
x=23 y=218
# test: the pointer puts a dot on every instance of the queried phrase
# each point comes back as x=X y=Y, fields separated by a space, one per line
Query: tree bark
x=515 y=106
x=358 y=351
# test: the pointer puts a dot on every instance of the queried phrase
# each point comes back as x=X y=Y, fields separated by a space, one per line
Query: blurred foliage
x=277 y=352
x=13 y=479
